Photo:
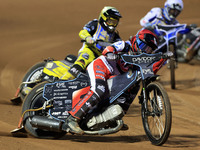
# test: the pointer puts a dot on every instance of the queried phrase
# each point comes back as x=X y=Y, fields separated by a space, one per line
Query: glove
x=111 y=56
x=150 y=26
x=191 y=26
x=89 y=40
x=108 y=49
x=67 y=76
x=168 y=54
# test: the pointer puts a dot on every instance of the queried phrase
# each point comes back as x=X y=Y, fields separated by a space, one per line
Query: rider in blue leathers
x=164 y=16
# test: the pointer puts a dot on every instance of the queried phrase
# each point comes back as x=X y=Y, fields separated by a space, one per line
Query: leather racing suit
x=88 y=52
x=99 y=71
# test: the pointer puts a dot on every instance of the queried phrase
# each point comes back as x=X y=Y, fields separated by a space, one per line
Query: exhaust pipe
x=42 y=122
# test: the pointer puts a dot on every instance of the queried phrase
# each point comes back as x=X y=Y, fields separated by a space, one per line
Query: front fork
x=143 y=96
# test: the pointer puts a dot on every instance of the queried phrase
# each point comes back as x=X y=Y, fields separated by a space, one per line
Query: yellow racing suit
x=88 y=52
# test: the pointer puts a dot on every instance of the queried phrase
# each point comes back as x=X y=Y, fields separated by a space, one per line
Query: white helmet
x=172 y=9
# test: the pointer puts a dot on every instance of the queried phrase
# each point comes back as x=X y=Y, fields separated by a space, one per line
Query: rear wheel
x=33 y=74
x=157 y=118
x=35 y=100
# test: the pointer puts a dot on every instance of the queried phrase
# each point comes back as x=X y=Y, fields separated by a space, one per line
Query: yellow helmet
x=109 y=18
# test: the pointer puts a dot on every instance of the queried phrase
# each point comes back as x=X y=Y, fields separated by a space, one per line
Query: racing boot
x=79 y=111
x=124 y=127
x=71 y=125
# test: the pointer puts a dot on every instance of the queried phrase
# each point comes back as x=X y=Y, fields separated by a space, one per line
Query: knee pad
x=101 y=88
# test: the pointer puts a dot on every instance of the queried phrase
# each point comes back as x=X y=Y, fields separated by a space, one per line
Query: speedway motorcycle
x=168 y=42
x=47 y=70
x=41 y=71
x=188 y=45
x=46 y=106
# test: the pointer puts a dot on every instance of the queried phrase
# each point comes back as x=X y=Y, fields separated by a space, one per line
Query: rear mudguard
x=56 y=68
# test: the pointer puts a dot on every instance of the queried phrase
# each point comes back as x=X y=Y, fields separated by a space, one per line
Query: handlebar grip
x=100 y=42
x=96 y=41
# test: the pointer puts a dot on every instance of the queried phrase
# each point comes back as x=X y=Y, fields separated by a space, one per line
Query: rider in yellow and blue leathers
x=103 y=28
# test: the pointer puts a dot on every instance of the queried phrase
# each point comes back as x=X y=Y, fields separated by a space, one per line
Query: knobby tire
x=35 y=100
x=155 y=116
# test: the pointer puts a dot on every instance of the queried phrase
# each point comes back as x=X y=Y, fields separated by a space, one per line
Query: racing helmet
x=172 y=9
x=109 y=18
x=144 y=41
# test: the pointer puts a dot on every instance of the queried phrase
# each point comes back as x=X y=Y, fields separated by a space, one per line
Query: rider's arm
x=116 y=47
x=158 y=65
x=150 y=17
x=116 y=37
x=89 y=29
x=187 y=30
x=84 y=34
x=111 y=51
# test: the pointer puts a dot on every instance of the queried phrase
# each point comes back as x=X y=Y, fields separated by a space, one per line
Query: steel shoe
x=71 y=125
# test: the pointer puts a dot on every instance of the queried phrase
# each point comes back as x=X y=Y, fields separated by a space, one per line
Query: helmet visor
x=174 y=12
x=144 y=47
x=112 y=22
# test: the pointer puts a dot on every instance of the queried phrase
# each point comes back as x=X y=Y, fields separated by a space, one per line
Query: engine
x=111 y=114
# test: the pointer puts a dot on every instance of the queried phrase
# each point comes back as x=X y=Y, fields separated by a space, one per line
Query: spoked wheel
x=172 y=62
x=31 y=75
x=35 y=100
x=157 y=118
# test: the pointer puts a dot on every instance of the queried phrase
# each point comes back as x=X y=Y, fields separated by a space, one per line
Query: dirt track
x=31 y=31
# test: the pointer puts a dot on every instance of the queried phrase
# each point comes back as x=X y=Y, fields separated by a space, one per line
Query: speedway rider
x=104 y=29
x=164 y=16
x=103 y=68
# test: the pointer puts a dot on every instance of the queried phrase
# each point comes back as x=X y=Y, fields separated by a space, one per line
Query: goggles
x=143 y=46
x=174 y=12
x=112 y=22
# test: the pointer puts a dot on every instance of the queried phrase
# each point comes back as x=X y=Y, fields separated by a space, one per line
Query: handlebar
x=100 y=42
x=145 y=59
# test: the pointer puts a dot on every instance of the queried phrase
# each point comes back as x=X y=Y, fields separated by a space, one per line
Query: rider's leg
x=85 y=57
x=79 y=111
x=98 y=76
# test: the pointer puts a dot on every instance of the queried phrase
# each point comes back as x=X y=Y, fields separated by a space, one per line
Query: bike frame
x=169 y=33
x=144 y=72
x=142 y=61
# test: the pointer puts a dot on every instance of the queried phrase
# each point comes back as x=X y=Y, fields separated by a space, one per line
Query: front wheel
x=172 y=63
x=157 y=117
